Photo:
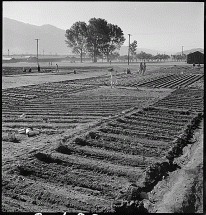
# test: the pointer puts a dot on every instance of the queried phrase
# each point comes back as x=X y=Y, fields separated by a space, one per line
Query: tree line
x=100 y=39
x=142 y=56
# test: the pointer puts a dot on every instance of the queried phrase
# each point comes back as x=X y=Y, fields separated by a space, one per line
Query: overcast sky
x=163 y=26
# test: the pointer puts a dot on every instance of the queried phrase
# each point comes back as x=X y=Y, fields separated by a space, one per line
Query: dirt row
x=79 y=163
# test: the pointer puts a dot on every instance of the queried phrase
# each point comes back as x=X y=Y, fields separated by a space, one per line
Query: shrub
x=11 y=137
x=25 y=171
x=80 y=141
x=63 y=149
x=94 y=135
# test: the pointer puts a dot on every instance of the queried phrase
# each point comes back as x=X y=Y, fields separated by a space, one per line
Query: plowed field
x=191 y=99
x=54 y=107
x=65 y=168
x=136 y=80
x=91 y=169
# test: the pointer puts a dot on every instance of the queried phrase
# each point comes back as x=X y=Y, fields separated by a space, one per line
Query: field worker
x=38 y=68
x=193 y=65
x=113 y=77
x=57 y=68
x=144 y=68
x=30 y=69
x=141 y=68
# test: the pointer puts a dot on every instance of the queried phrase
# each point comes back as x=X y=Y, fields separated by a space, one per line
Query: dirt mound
x=47 y=158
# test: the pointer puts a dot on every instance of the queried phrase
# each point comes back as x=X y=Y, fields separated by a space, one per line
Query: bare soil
x=180 y=191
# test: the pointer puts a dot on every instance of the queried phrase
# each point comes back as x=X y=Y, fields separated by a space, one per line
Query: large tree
x=103 y=37
x=77 y=38
x=97 y=36
x=115 y=40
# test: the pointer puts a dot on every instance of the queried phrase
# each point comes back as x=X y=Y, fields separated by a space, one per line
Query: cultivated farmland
x=71 y=166
x=167 y=80
x=53 y=107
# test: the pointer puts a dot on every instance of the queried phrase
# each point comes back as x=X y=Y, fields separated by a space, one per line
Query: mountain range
x=19 y=38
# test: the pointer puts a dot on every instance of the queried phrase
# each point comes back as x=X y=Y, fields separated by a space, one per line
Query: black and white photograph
x=102 y=107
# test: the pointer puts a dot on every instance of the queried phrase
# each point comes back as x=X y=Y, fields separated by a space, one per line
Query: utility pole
x=182 y=50
x=37 y=50
x=128 y=48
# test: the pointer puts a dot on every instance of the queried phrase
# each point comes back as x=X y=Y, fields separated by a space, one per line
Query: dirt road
x=39 y=78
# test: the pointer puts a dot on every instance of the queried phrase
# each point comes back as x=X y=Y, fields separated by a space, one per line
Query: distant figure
x=128 y=71
x=24 y=70
x=75 y=72
x=141 y=68
x=193 y=65
x=38 y=68
x=110 y=62
x=144 y=68
x=30 y=69
x=113 y=77
x=57 y=68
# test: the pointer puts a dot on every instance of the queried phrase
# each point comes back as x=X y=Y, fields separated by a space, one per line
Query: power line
x=37 y=50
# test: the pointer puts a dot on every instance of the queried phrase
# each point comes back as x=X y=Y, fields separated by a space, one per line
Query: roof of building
x=196 y=52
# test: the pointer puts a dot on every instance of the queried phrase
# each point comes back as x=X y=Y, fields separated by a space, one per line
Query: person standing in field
x=141 y=68
x=57 y=68
x=144 y=68
x=38 y=68
x=193 y=65
x=113 y=77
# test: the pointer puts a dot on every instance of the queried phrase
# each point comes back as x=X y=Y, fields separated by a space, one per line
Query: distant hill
x=20 y=37
x=190 y=51
x=124 y=51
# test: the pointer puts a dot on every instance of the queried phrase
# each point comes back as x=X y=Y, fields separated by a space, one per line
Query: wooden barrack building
x=195 y=57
